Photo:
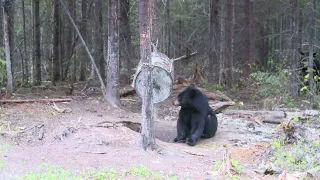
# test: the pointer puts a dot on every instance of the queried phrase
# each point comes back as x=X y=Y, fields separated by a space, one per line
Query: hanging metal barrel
x=161 y=77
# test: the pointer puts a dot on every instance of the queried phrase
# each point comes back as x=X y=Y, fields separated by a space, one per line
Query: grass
x=140 y=172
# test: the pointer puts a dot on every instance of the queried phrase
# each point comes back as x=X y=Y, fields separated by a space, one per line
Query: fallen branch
x=33 y=100
x=65 y=110
x=193 y=153
x=273 y=121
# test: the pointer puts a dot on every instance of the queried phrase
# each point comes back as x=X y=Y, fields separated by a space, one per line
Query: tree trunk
x=214 y=30
x=37 y=54
x=147 y=124
x=69 y=39
x=25 y=73
x=247 y=51
x=168 y=27
x=312 y=36
x=233 y=39
x=11 y=11
x=99 y=40
x=112 y=91
x=294 y=48
x=74 y=59
x=228 y=47
x=222 y=43
x=56 y=42
x=83 y=32
x=125 y=43
x=6 y=34
x=1 y=23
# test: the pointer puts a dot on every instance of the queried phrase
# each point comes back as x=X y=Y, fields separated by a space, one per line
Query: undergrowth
x=298 y=157
x=139 y=172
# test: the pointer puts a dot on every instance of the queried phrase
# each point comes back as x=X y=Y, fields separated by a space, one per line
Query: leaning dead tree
x=86 y=47
x=147 y=131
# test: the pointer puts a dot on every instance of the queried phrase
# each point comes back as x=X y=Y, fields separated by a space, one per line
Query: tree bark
x=312 y=35
x=37 y=53
x=294 y=48
x=147 y=125
x=112 y=91
x=6 y=34
x=56 y=42
x=83 y=32
x=125 y=42
x=69 y=39
x=1 y=23
x=228 y=51
x=222 y=43
x=247 y=43
x=25 y=73
x=213 y=63
x=168 y=27
x=11 y=13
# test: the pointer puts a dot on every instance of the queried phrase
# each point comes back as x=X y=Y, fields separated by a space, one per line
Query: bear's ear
x=192 y=93
x=192 y=85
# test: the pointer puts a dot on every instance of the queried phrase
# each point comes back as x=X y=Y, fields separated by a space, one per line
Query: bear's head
x=185 y=98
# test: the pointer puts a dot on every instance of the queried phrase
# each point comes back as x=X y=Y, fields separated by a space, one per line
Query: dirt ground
x=34 y=134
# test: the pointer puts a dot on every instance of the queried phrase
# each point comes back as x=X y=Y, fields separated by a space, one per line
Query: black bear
x=196 y=118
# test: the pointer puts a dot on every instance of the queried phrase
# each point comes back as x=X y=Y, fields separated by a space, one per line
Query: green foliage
x=299 y=157
x=217 y=165
x=139 y=172
x=270 y=85
x=54 y=172
x=237 y=165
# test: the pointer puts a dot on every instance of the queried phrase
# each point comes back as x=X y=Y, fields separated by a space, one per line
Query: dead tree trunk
x=112 y=91
x=6 y=34
x=147 y=131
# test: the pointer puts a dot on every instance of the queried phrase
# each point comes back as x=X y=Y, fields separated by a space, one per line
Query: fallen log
x=220 y=106
x=217 y=107
x=34 y=100
x=127 y=91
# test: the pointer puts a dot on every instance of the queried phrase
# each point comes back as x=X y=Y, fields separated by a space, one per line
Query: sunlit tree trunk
x=147 y=124
x=112 y=91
